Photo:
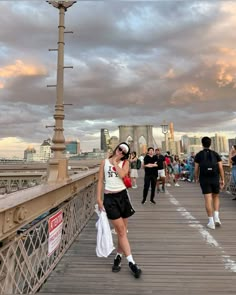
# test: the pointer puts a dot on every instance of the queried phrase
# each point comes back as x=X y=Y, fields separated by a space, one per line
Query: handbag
x=127 y=180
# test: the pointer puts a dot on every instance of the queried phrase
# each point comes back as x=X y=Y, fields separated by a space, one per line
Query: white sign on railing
x=55 y=230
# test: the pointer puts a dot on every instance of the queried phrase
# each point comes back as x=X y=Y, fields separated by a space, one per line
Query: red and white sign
x=55 y=230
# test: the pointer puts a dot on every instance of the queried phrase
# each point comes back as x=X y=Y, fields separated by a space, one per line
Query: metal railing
x=29 y=252
x=12 y=184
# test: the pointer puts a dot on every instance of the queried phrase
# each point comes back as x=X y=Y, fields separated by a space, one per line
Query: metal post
x=164 y=130
x=58 y=164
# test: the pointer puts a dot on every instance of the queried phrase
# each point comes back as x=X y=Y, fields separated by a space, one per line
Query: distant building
x=105 y=138
x=29 y=152
x=190 y=144
x=45 y=150
x=43 y=155
x=113 y=142
x=219 y=144
x=174 y=147
x=73 y=147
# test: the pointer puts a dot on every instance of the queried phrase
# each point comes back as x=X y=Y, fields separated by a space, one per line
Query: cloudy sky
x=134 y=63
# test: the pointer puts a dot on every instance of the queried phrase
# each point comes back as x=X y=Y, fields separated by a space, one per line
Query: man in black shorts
x=161 y=168
x=208 y=171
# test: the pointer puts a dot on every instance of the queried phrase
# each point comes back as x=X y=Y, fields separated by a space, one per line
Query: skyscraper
x=105 y=138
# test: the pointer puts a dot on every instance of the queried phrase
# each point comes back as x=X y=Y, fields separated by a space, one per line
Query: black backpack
x=209 y=165
x=139 y=164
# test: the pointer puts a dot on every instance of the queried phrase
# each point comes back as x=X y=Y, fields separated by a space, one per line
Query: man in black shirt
x=161 y=168
x=208 y=171
x=150 y=177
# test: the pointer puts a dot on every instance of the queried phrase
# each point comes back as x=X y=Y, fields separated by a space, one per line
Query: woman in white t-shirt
x=114 y=199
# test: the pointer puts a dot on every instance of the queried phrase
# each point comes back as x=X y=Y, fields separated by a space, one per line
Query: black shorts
x=210 y=187
x=118 y=205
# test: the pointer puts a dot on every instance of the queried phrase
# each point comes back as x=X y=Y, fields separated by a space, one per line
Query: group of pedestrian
x=113 y=197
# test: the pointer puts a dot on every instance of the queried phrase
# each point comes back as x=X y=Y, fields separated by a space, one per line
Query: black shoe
x=135 y=270
x=234 y=199
x=153 y=202
x=143 y=202
x=117 y=264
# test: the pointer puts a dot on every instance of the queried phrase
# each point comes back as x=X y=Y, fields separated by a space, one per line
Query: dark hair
x=134 y=153
x=176 y=157
x=150 y=148
x=126 y=156
x=206 y=142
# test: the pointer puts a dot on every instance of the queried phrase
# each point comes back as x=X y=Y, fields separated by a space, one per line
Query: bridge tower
x=133 y=133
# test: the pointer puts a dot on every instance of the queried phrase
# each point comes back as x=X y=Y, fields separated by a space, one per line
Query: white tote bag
x=105 y=244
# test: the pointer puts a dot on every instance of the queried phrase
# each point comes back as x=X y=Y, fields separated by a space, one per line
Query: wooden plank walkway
x=169 y=240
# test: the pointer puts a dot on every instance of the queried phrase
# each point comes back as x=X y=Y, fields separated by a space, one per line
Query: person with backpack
x=209 y=172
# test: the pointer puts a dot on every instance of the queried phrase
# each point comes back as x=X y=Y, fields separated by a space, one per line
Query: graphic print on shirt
x=111 y=172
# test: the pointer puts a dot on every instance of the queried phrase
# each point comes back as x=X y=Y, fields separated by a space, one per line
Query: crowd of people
x=160 y=171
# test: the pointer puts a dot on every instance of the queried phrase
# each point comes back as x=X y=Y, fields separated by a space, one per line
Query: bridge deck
x=178 y=255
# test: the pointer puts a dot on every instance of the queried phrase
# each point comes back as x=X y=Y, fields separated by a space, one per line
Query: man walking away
x=208 y=171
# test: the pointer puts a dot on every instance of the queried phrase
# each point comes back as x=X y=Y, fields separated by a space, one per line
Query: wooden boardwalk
x=169 y=241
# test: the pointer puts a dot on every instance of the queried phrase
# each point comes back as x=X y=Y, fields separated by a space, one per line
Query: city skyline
x=178 y=67
x=158 y=140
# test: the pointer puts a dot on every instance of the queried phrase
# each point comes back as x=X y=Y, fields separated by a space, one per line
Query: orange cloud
x=170 y=74
x=21 y=69
x=225 y=74
x=186 y=94
x=228 y=51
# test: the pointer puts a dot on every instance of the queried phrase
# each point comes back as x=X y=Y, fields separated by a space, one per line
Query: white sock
x=130 y=259
x=216 y=214
x=211 y=219
x=118 y=254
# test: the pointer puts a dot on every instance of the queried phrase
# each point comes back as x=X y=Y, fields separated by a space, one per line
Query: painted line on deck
x=229 y=263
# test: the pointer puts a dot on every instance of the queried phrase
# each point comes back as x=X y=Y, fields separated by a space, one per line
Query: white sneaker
x=217 y=221
x=177 y=184
x=211 y=225
x=168 y=184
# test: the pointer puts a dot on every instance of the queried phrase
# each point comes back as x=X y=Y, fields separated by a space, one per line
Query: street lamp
x=164 y=129
x=58 y=164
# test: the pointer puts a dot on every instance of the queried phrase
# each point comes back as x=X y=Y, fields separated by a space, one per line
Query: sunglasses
x=120 y=149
